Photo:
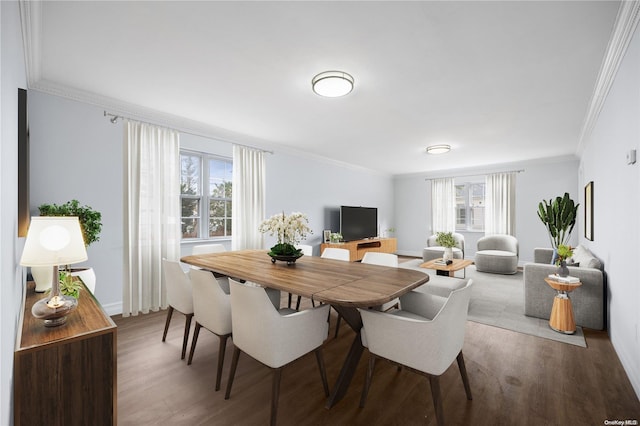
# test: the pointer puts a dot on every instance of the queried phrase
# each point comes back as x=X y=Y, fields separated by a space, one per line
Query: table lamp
x=53 y=241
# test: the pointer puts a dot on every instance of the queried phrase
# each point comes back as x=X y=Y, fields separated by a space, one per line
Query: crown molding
x=31 y=20
x=623 y=30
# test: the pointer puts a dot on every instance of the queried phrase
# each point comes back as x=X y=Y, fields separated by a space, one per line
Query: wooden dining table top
x=349 y=284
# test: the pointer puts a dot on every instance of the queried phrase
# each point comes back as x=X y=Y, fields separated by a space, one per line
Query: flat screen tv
x=357 y=223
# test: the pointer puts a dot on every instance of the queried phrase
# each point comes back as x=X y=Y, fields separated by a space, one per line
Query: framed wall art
x=588 y=211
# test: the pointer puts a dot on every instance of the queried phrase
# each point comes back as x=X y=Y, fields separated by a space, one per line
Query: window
x=205 y=195
x=470 y=206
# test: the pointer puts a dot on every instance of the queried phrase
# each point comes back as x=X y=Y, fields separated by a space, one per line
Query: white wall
x=76 y=153
x=12 y=77
x=616 y=207
x=539 y=180
x=318 y=189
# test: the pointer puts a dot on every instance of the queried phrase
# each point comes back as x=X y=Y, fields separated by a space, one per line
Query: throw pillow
x=584 y=257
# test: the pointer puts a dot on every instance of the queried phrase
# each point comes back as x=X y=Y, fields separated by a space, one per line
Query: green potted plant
x=91 y=226
x=559 y=217
x=446 y=240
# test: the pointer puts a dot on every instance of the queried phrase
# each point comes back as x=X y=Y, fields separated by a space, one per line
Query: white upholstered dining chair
x=426 y=335
x=336 y=254
x=211 y=310
x=274 y=337
x=207 y=248
x=179 y=297
x=307 y=250
x=382 y=259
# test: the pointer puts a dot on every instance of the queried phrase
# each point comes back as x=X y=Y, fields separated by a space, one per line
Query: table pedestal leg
x=562 y=319
x=352 y=317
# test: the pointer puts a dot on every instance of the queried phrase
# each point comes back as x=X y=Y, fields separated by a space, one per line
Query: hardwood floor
x=515 y=379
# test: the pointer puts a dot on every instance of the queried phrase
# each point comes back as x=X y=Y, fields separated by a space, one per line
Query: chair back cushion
x=428 y=345
x=384 y=259
x=335 y=253
x=178 y=285
x=263 y=333
x=500 y=242
x=211 y=305
x=207 y=248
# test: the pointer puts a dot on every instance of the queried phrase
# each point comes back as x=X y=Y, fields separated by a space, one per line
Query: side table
x=562 y=319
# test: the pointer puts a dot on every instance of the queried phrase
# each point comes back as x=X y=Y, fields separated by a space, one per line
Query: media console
x=358 y=248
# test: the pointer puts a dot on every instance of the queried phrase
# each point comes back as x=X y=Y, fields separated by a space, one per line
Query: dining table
x=346 y=286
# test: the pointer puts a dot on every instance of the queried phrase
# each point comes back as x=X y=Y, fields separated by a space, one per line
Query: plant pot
x=88 y=277
x=448 y=254
x=562 y=270
x=42 y=275
x=290 y=259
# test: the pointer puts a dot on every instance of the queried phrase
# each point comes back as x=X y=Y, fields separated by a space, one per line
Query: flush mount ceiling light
x=438 y=149
x=332 y=84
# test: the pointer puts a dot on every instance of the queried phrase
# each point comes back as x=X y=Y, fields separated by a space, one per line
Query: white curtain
x=443 y=205
x=248 y=198
x=152 y=213
x=500 y=208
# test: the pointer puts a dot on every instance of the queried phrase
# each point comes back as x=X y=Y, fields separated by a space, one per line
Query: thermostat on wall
x=631 y=156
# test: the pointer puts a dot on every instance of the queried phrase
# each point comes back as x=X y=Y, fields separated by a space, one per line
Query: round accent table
x=562 y=319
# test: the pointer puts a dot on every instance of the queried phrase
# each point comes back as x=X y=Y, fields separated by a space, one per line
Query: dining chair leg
x=298 y=303
x=463 y=374
x=275 y=394
x=166 y=324
x=232 y=372
x=185 y=339
x=434 y=381
x=323 y=371
x=337 y=326
x=367 y=380
x=221 y=350
x=194 y=340
x=289 y=302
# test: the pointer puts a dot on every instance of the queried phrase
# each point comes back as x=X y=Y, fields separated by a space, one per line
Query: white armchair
x=426 y=336
x=212 y=310
x=274 y=337
x=179 y=297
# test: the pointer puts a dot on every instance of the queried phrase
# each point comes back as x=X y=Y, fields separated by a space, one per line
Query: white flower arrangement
x=289 y=230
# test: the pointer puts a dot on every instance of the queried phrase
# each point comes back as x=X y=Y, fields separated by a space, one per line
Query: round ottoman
x=496 y=261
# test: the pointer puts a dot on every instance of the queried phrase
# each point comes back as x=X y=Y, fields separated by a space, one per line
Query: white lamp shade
x=53 y=241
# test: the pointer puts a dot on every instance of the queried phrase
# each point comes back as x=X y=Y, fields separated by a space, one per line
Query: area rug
x=498 y=300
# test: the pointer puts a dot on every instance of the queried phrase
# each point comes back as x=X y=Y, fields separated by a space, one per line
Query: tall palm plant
x=559 y=217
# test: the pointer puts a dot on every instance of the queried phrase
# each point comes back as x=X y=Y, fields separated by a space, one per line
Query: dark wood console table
x=66 y=375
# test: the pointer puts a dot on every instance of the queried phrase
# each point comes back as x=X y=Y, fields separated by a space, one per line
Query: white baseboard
x=630 y=367
x=113 y=308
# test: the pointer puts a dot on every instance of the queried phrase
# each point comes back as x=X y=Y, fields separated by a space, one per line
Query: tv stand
x=358 y=248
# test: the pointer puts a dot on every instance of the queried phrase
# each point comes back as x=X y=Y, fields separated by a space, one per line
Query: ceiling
x=500 y=82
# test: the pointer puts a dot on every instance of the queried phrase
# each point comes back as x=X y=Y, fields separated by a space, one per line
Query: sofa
x=587 y=300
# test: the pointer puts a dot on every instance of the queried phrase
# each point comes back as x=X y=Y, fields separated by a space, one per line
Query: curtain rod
x=115 y=117
x=474 y=174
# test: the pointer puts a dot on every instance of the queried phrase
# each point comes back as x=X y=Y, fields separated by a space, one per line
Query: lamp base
x=54 y=309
